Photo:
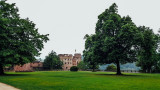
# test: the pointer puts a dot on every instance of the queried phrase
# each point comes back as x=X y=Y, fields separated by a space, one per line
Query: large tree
x=148 y=56
x=90 y=56
x=20 y=41
x=115 y=39
x=52 y=61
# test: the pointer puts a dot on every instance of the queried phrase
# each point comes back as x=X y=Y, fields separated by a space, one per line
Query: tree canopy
x=90 y=56
x=52 y=61
x=115 y=40
x=20 y=41
x=148 y=56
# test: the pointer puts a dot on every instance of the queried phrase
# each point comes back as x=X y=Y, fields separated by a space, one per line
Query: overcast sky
x=68 y=21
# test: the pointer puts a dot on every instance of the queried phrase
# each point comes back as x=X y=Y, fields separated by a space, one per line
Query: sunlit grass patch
x=66 y=80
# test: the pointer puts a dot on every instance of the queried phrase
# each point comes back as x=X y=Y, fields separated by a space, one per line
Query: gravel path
x=7 y=87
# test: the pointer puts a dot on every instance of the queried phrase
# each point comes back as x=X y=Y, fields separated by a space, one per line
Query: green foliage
x=52 y=61
x=90 y=56
x=20 y=41
x=156 y=68
x=111 y=67
x=116 y=40
x=74 y=68
x=93 y=67
x=148 y=56
x=82 y=65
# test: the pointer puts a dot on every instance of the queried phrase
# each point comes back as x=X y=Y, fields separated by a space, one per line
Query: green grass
x=65 y=80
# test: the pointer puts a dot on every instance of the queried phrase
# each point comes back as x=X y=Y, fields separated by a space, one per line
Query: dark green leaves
x=20 y=41
x=52 y=61
x=116 y=39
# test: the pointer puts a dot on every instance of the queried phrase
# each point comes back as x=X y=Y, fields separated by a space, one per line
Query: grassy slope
x=81 y=80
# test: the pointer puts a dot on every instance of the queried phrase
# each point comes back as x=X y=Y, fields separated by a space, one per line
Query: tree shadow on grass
x=123 y=75
x=16 y=75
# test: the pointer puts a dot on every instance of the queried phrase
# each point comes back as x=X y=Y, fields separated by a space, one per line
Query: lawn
x=66 y=80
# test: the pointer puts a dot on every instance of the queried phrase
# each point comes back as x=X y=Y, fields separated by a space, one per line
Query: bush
x=111 y=67
x=74 y=68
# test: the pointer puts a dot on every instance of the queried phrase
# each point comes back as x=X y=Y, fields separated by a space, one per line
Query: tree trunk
x=148 y=70
x=118 y=68
x=144 y=71
x=12 y=67
x=93 y=70
x=1 y=70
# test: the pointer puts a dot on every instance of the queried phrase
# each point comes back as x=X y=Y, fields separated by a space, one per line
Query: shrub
x=74 y=68
x=111 y=67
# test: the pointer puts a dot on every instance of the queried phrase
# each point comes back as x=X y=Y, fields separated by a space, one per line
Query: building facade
x=29 y=67
x=69 y=60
